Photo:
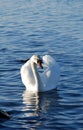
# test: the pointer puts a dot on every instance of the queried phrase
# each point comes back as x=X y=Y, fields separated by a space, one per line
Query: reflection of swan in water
x=36 y=103
x=40 y=82
x=31 y=101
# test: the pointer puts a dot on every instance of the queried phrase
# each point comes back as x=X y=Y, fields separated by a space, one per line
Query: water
x=42 y=27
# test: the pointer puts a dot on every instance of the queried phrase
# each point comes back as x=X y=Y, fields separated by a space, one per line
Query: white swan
x=40 y=82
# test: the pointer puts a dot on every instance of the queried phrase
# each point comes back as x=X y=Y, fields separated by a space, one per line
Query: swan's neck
x=36 y=76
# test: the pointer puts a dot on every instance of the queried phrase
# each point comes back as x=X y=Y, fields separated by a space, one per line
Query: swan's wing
x=48 y=61
x=51 y=73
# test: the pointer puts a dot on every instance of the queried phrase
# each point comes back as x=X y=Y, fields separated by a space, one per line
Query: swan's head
x=37 y=60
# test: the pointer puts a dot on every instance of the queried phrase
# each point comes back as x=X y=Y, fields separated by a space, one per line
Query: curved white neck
x=36 y=76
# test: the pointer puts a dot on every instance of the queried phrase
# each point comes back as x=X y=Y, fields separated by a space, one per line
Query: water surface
x=42 y=27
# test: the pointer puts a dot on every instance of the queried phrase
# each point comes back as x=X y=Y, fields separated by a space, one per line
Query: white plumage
x=40 y=81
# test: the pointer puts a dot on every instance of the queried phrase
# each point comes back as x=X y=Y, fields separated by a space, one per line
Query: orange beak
x=39 y=62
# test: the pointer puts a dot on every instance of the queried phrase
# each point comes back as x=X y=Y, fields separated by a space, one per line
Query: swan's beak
x=39 y=62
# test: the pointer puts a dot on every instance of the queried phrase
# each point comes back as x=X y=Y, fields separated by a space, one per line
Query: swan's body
x=39 y=82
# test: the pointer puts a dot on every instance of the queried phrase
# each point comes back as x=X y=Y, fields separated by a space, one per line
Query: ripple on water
x=42 y=27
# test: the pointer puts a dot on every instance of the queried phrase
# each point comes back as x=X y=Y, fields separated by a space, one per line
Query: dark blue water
x=44 y=27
